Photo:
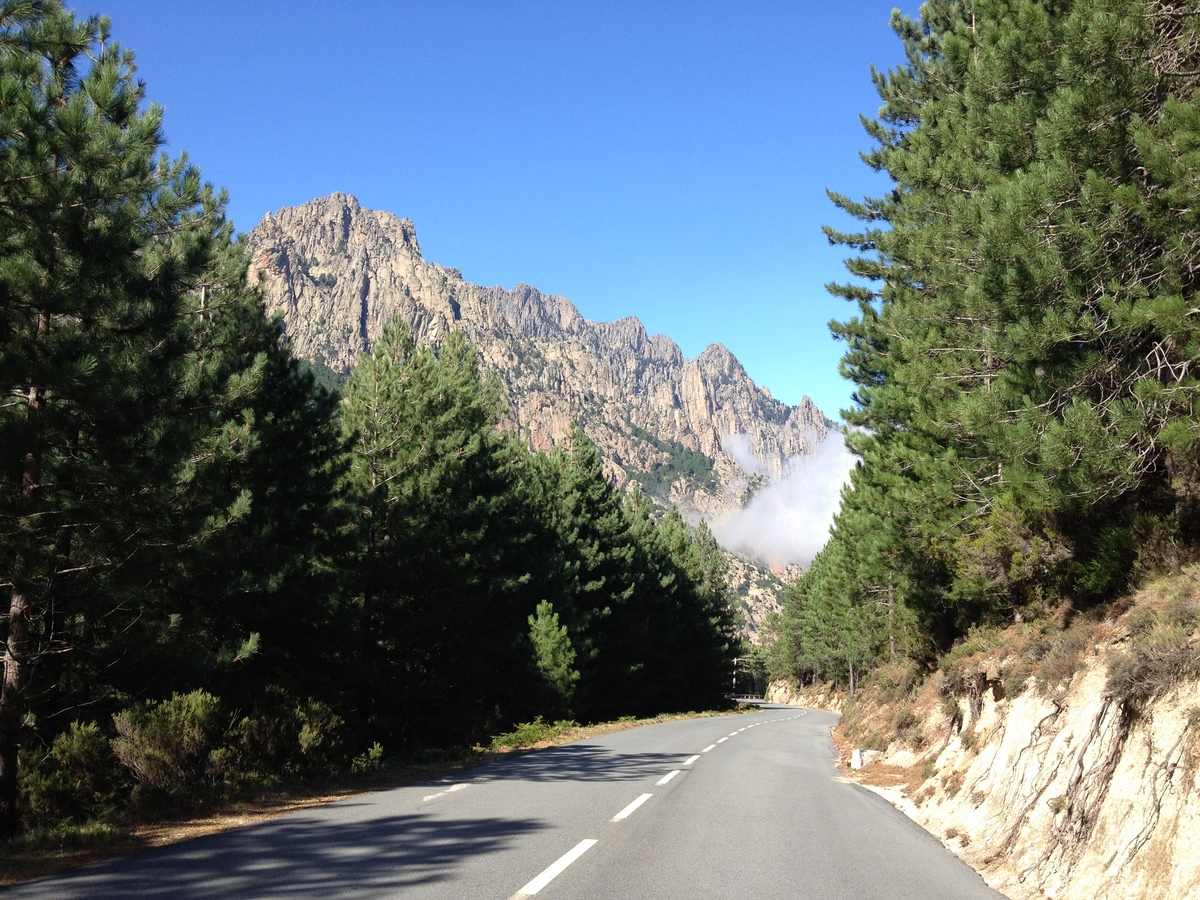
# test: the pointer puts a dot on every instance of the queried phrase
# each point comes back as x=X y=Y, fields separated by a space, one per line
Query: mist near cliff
x=788 y=519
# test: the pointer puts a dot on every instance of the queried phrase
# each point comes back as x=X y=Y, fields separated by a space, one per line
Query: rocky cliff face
x=759 y=589
x=338 y=273
x=1074 y=783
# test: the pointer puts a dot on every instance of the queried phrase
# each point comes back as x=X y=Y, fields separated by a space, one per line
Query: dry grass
x=885 y=775
x=1161 y=639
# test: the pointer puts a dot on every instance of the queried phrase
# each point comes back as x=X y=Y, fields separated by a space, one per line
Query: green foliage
x=318 y=740
x=168 y=511
x=682 y=462
x=323 y=377
x=1014 y=563
x=77 y=780
x=529 y=734
x=190 y=748
x=1107 y=570
x=553 y=651
x=371 y=760
x=446 y=541
x=169 y=746
x=101 y=240
x=281 y=738
x=1021 y=345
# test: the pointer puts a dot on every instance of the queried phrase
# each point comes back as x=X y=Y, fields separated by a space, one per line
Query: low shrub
x=285 y=738
x=370 y=760
x=1158 y=660
x=530 y=733
x=981 y=639
x=1141 y=620
x=77 y=780
x=318 y=739
x=895 y=681
x=952 y=710
x=168 y=746
x=1181 y=610
x=1066 y=654
x=952 y=782
x=189 y=746
x=969 y=738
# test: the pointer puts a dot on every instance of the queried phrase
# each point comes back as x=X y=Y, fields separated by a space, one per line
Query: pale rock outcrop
x=1062 y=791
x=1070 y=796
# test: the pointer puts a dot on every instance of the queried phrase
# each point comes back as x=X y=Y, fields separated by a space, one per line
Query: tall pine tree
x=101 y=240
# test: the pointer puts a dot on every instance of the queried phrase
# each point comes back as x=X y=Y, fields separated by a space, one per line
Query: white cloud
x=788 y=519
x=738 y=446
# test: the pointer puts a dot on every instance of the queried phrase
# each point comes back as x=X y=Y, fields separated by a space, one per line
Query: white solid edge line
x=628 y=811
x=709 y=747
x=691 y=759
x=555 y=869
x=667 y=777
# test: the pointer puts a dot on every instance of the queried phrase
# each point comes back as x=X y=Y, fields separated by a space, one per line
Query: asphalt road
x=754 y=809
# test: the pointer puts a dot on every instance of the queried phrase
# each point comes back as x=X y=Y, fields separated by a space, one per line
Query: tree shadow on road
x=579 y=762
x=302 y=855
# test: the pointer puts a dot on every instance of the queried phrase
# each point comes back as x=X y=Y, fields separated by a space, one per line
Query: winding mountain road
x=738 y=806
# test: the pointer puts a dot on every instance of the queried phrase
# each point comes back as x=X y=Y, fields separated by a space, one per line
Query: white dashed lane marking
x=449 y=790
x=554 y=870
x=628 y=811
x=560 y=865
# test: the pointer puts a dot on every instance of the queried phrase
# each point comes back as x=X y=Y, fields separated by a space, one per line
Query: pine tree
x=445 y=532
x=1024 y=367
x=555 y=655
x=259 y=508
x=598 y=554
x=100 y=242
x=708 y=631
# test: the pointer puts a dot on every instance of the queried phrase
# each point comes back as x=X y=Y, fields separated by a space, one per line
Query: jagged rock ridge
x=338 y=273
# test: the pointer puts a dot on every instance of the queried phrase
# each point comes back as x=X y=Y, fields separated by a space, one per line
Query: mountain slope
x=338 y=273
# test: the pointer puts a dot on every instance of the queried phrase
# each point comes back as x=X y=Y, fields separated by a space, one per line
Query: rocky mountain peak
x=339 y=272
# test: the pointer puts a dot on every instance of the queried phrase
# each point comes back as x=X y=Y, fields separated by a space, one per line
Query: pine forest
x=1024 y=335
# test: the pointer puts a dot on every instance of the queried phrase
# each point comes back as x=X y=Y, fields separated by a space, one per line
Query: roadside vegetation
x=118 y=831
x=1148 y=645
x=1025 y=350
x=220 y=578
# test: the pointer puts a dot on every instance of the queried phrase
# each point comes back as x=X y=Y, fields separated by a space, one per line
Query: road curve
x=735 y=806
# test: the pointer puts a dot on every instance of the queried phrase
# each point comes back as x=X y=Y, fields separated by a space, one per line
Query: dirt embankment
x=818 y=696
x=1059 y=763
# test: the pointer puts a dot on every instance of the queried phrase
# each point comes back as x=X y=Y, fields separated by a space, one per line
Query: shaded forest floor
x=47 y=851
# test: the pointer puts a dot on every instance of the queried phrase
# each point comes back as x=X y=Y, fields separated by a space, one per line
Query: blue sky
x=667 y=160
